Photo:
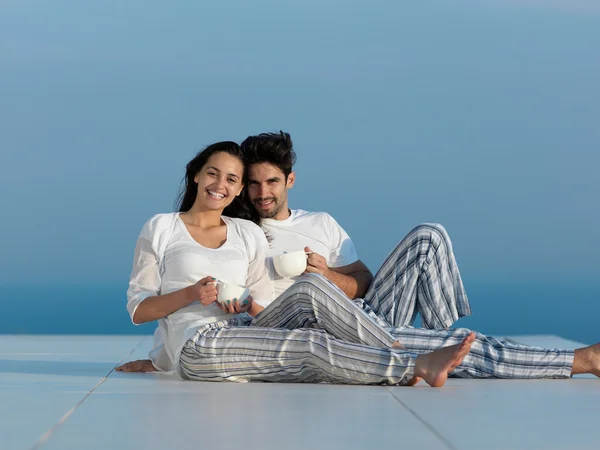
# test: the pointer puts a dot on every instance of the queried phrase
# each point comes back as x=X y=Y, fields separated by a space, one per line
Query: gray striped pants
x=419 y=275
x=313 y=333
x=310 y=333
x=489 y=357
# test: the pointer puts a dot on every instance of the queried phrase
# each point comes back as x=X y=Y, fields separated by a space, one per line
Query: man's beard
x=269 y=214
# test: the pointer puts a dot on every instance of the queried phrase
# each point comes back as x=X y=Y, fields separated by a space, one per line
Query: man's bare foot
x=413 y=381
x=140 y=365
x=434 y=367
x=587 y=360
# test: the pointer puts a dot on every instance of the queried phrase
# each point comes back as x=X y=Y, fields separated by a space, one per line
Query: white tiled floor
x=55 y=394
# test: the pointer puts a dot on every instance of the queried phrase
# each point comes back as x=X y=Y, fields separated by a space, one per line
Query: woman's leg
x=490 y=357
x=315 y=302
x=420 y=275
x=221 y=353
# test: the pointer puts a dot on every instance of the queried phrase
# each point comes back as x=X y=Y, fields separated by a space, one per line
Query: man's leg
x=217 y=353
x=490 y=357
x=315 y=302
x=420 y=275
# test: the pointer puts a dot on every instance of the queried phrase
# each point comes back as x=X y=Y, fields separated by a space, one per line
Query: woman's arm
x=144 y=301
x=255 y=309
x=159 y=306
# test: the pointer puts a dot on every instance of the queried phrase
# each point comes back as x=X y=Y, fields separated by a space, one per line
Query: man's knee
x=304 y=282
x=434 y=231
x=319 y=282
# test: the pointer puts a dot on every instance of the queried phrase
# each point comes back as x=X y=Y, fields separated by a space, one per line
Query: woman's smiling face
x=219 y=181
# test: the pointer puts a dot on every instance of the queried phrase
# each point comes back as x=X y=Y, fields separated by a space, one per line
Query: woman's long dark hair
x=239 y=207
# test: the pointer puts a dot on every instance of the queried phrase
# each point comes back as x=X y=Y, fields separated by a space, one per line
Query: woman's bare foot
x=139 y=365
x=434 y=367
x=587 y=360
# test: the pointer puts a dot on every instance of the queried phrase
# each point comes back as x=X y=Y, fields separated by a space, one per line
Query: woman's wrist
x=255 y=309
x=190 y=294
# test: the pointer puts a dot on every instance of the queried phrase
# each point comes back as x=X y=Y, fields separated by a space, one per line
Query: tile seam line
x=48 y=434
x=430 y=427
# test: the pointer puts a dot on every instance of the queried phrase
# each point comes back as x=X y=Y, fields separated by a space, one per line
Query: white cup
x=229 y=291
x=290 y=264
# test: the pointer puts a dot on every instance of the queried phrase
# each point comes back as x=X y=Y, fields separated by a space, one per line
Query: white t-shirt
x=317 y=230
x=167 y=259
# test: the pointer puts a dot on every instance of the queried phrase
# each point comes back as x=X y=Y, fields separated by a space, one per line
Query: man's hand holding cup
x=316 y=263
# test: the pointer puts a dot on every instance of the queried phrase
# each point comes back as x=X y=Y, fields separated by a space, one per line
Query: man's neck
x=284 y=214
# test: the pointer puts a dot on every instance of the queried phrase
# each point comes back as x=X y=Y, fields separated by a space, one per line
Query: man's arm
x=354 y=279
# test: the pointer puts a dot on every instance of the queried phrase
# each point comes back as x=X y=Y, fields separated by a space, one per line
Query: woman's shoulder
x=159 y=223
x=247 y=227
x=243 y=224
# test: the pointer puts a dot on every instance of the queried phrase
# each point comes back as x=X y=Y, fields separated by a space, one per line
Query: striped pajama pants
x=312 y=333
x=489 y=357
x=419 y=276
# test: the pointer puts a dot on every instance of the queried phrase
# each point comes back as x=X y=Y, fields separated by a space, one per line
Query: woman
x=176 y=250
x=206 y=342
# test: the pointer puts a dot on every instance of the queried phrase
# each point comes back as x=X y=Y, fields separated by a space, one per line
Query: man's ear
x=291 y=179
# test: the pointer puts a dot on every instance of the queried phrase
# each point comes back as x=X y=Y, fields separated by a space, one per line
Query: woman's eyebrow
x=218 y=170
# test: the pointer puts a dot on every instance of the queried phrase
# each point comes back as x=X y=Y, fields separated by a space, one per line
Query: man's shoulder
x=300 y=214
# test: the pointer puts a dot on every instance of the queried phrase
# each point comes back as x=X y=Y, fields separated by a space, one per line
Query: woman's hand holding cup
x=236 y=306
x=206 y=291
x=232 y=298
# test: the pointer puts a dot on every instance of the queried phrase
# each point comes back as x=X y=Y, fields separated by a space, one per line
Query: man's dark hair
x=273 y=148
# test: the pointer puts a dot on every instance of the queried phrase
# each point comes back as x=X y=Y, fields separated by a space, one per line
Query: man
x=420 y=275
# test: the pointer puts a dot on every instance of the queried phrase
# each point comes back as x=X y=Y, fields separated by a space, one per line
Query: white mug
x=290 y=264
x=229 y=291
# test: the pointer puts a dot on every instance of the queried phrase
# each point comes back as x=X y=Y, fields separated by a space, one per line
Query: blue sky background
x=480 y=115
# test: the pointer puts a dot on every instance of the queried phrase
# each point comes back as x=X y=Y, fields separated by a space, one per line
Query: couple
x=312 y=331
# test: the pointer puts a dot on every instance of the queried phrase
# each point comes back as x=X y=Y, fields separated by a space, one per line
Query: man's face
x=267 y=190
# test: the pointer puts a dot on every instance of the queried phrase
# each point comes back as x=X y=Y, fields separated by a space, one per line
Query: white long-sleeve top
x=167 y=259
